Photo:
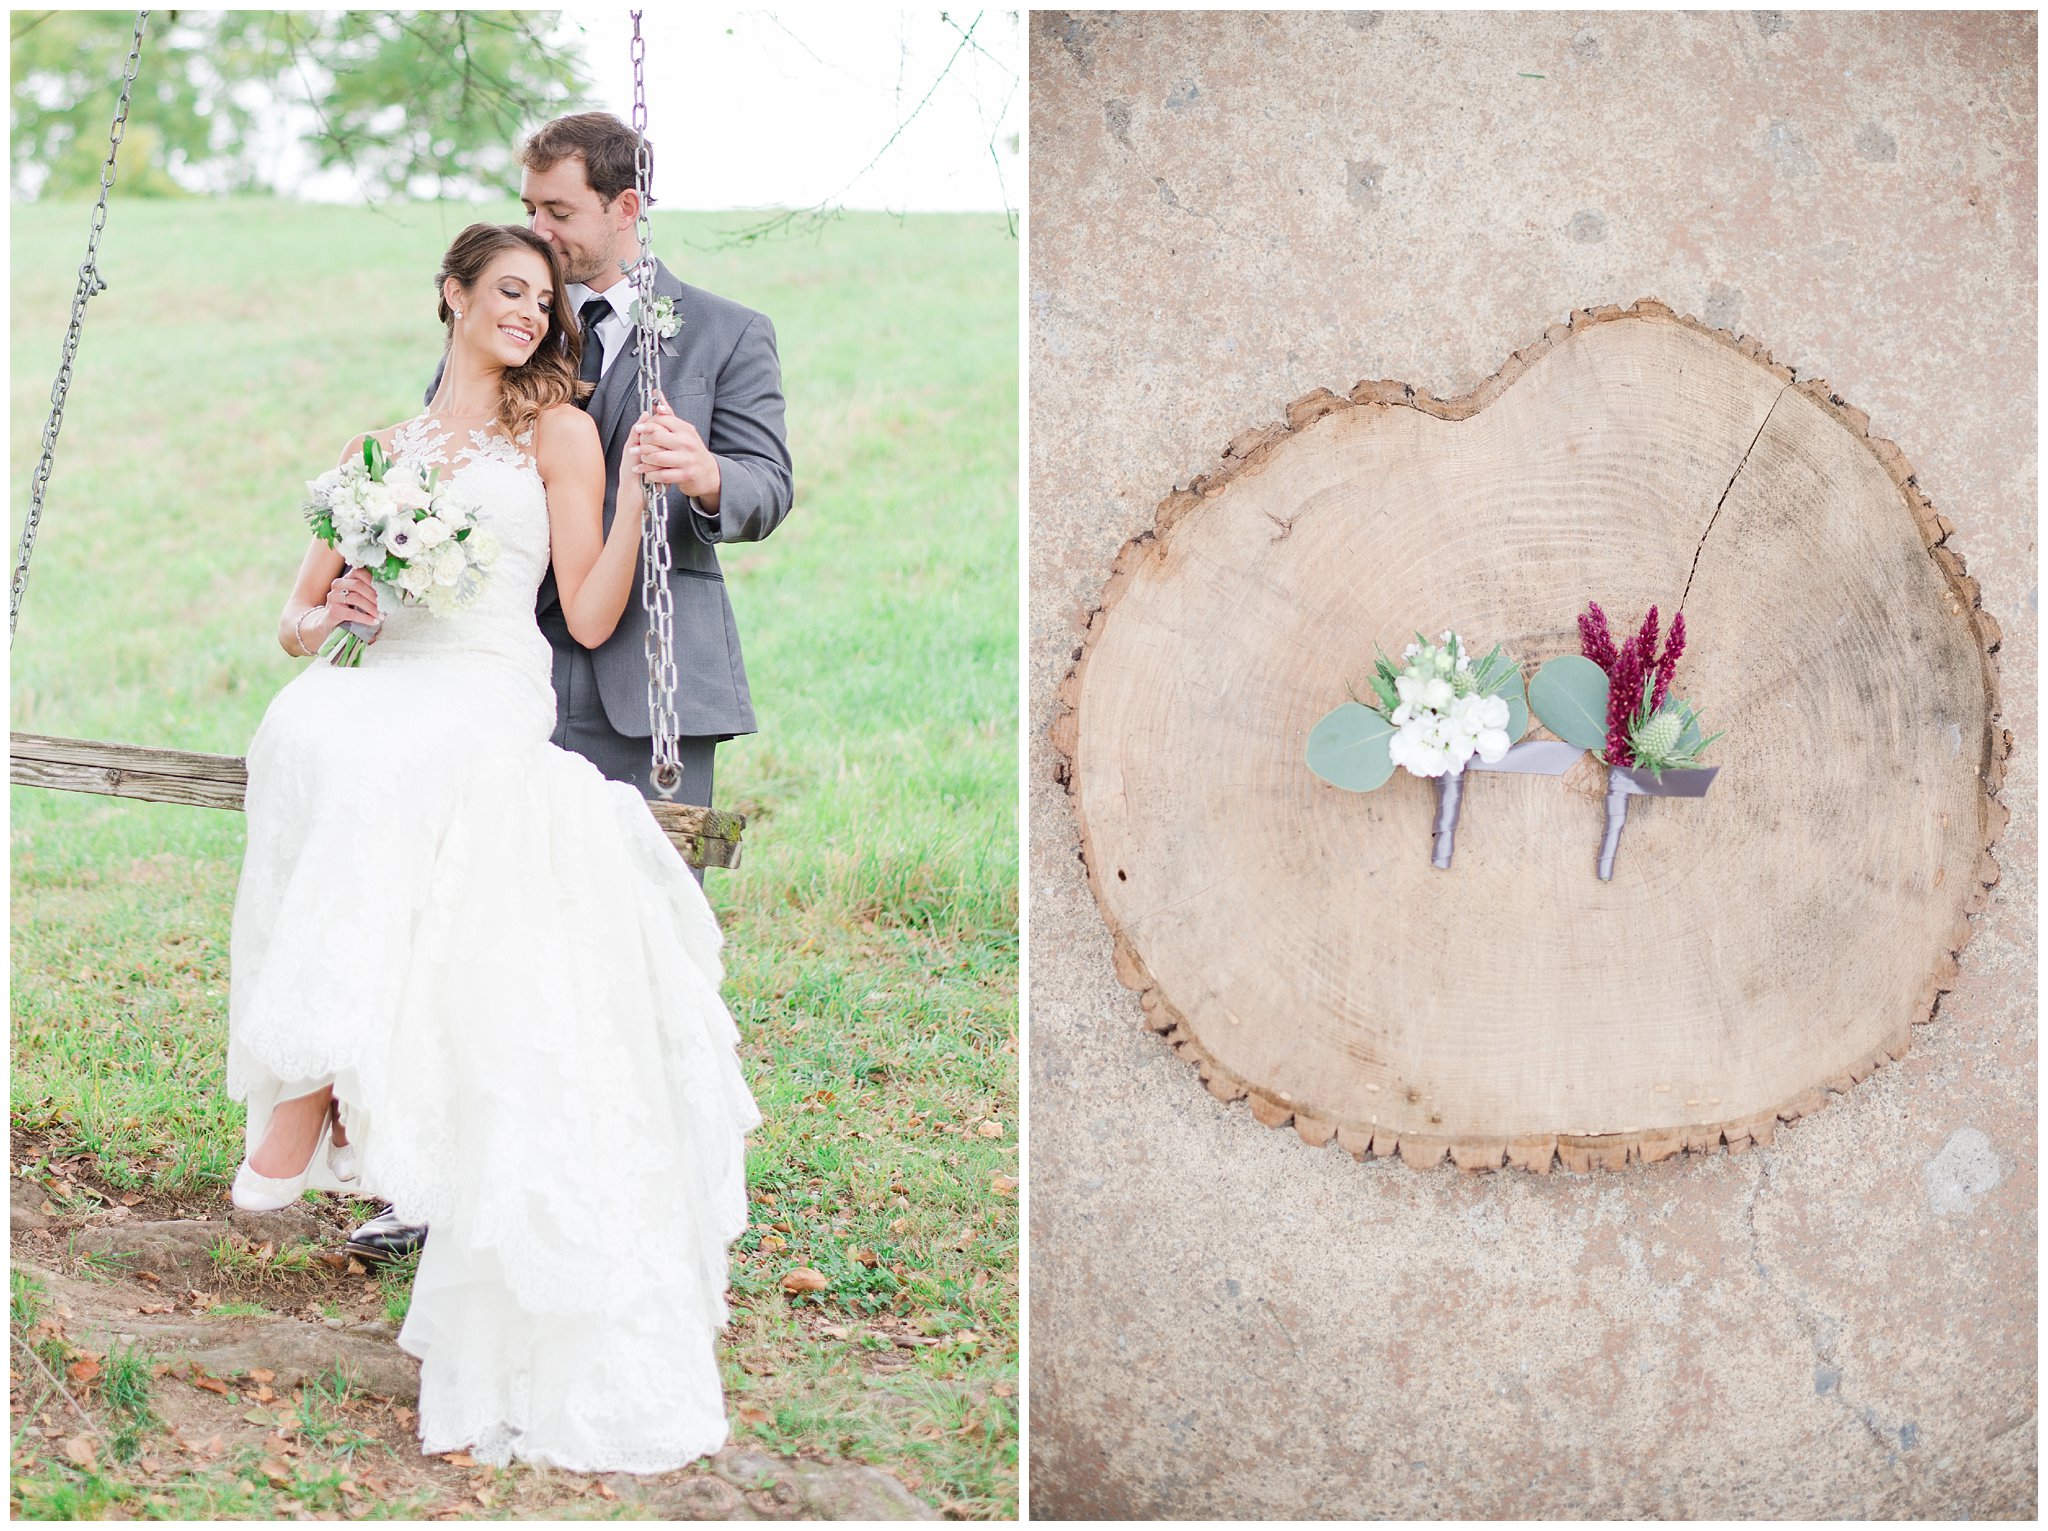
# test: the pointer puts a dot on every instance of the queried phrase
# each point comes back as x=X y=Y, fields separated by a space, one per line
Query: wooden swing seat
x=704 y=837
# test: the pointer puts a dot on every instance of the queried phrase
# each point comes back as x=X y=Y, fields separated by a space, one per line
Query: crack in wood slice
x=1248 y=455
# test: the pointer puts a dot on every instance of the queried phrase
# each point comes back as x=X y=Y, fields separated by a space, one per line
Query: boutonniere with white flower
x=1437 y=714
x=1616 y=701
x=417 y=535
x=665 y=320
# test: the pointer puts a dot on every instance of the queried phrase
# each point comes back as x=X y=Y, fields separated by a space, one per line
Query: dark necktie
x=593 y=348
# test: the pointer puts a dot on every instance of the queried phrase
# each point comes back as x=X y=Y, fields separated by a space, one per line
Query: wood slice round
x=1756 y=948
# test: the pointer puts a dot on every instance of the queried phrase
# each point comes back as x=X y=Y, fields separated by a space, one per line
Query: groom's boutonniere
x=666 y=320
x=1615 y=699
x=1438 y=714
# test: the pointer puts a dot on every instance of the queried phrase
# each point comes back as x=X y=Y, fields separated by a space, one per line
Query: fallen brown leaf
x=758 y=1366
x=357 y=1268
x=157 y=1307
x=132 y=1199
x=753 y=1414
x=265 y=1394
x=211 y=1384
x=604 y=1488
x=458 y=1459
x=81 y=1449
x=773 y=1241
x=274 y=1470
x=866 y=1257
x=403 y=1415
x=990 y=1129
x=1003 y=1185
x=484 y=1497
x=83 y=1370
x=262 y=1374
x=804 y=1279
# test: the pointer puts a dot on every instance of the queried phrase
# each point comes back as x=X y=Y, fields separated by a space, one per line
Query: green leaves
x=374 y=461
x=1570 y=695
x=414 y=103
x=1498 y=675
x=1348 y=748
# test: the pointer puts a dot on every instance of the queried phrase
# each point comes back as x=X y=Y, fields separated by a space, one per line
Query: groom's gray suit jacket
x=719 y=372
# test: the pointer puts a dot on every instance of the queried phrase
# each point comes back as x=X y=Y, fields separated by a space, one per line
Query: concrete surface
x=1230 y=210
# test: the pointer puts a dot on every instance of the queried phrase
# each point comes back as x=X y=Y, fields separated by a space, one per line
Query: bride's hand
x=631 y=490
x=353 y=598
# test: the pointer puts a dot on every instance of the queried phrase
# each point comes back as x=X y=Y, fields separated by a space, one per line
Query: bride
x=471 y=969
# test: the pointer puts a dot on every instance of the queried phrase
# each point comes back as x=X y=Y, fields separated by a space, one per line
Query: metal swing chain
x=90 y=285
x=655 y=558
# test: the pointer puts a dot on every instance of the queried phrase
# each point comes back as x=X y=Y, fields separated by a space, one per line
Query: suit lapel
x=617 y=401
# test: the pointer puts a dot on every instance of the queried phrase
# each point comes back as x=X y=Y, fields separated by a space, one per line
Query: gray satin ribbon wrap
x=1533 y=757
x=1625 y=782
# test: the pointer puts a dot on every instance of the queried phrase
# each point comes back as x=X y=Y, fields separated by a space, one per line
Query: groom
x=718 y=446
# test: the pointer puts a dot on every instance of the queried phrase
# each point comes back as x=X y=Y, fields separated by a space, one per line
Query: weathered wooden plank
x=705 y=837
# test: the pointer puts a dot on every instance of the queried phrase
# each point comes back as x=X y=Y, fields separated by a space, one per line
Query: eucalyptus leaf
x=1348 y=748
x=1518 y=712
x=1500 y=676
x=1570 y=695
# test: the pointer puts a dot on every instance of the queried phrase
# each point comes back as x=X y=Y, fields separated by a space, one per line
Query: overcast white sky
x=758 y=109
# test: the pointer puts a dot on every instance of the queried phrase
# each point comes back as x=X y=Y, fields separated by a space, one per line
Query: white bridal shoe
x=341 y=1158
x=264 y=1193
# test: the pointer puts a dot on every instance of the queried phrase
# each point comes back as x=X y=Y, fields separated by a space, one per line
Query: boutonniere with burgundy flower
x=1616 y=701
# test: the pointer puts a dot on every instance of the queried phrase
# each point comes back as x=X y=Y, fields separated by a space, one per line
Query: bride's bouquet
x=417 y=536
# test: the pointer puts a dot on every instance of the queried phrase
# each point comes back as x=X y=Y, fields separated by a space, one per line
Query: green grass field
x=872 y=927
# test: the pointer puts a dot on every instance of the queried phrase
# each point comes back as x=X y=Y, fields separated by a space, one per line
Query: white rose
x=416 y=579
x=405 y=488
x=447 y=562
x=373 y=504
x=432 y=531
x=1437 y=695
x=483 y=547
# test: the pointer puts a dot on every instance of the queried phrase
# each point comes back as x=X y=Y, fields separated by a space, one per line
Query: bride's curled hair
x=548 y=377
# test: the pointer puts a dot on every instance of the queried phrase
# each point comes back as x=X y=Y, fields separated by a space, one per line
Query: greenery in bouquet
x=414 y=532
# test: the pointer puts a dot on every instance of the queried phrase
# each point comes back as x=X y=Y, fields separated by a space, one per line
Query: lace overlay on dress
x=513 y=981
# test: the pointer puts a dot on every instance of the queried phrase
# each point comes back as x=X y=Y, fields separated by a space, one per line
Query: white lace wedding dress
x=511 y=980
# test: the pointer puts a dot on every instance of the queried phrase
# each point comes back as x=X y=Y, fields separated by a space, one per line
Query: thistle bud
x=1656 y=739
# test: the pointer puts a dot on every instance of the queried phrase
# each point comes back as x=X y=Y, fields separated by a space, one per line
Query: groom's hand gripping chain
x=673 y=453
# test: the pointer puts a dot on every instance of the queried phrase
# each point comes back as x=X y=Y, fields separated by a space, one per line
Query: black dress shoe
x=384 y=1239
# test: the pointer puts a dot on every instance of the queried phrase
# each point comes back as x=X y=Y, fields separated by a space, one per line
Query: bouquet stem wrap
x=1532 y=757
x=1450 y=793
x=1625 y=782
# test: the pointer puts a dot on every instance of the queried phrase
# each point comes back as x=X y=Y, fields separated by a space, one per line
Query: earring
x=458 y=313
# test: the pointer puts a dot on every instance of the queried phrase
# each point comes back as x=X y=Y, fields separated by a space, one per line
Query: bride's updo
x=548 y=377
